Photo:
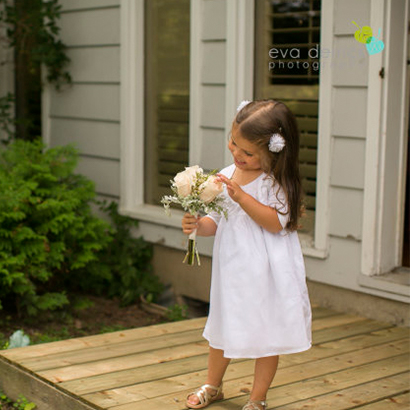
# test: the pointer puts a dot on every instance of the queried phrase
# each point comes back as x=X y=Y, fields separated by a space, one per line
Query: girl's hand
x=189 y=223
x=234 y=190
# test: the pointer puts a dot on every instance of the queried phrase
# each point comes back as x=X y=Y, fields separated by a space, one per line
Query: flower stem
x=192 y=251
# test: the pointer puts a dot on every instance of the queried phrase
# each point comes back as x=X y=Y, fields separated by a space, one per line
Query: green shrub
x=124 y=268
x=47 y=230
x=177 y=312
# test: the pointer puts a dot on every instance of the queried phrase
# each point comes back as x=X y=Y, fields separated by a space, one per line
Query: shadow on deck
x=354 y=363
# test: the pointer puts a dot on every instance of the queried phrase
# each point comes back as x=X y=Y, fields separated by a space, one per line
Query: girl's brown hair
x=256 y=122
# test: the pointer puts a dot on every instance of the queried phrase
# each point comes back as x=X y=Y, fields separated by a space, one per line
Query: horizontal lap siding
x=349 y=102
x=86 y=64
x=91 y=137
x=87 y=101
x=213 y=80
x=96 y=27
x=87 y=113
x=347 y=162
x=105 y=173
x=69 y=5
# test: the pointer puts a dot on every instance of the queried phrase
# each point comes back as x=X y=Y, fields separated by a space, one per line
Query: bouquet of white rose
x=196 y=192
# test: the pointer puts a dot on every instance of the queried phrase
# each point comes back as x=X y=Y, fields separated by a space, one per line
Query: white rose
x=184 y=180
x=211 y=189
x=192 y=171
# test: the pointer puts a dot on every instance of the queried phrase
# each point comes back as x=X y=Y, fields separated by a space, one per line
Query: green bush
x=177 y=312
x=47 y=229
x=124 y=268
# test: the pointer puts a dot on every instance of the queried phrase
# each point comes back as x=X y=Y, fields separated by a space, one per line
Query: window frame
x=320 y=240
x=155 y=225
x=132 y=127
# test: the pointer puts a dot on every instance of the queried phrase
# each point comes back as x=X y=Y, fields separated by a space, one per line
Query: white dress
x=259 y=304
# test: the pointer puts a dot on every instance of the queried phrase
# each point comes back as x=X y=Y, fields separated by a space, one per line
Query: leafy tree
x=33 y=33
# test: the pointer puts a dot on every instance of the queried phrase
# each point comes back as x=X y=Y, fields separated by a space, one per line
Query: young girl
x=259 y=305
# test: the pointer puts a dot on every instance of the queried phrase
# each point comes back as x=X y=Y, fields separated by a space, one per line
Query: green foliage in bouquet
x=47 y=230
x=124 y=268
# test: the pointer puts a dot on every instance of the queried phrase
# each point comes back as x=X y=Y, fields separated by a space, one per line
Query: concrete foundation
x=373 y=307
x=194 y=282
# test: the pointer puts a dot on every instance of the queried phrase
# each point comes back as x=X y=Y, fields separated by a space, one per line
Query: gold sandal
x=254 y=405
x=204 y=397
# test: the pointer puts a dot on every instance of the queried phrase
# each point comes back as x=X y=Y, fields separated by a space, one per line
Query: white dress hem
x=252 y=356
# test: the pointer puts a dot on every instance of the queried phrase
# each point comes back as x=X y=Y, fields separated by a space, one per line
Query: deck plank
x=401 y=401
x=341 y=332
x=336 y=320
x=288 y=393
x=105 y=339
x=355 y=396
x=197 y=363
x=242 y=373
x=127 y=362
x=114 y=350
x=136 y=375
x=354 y=362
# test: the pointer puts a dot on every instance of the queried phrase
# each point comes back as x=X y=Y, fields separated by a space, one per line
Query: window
x=167 y=27
x=287 y=45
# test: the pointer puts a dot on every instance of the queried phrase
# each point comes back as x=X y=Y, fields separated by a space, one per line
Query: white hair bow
x=276 y=143
x=242 y=104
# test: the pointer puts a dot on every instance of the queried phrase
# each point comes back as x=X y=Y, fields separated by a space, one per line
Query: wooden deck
x=354 y=363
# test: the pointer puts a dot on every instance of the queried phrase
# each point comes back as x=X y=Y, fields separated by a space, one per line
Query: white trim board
x=240 y=60
x=195 y=86
x=384 y=163
x=322 y=211
x=132 y=105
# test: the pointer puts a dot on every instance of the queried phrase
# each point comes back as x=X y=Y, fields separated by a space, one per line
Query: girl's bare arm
x=263 y=215
x=205 y=226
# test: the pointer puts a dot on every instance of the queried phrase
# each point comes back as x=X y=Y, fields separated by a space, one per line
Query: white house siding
x=88 y=112
x=209 y=83
x=348 y=138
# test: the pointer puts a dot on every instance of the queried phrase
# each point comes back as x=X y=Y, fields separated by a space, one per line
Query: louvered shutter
x=173 y=155
x=287 y=40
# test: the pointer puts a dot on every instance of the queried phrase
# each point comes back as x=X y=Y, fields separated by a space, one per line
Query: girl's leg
x=265 y=370
x=217 y=365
